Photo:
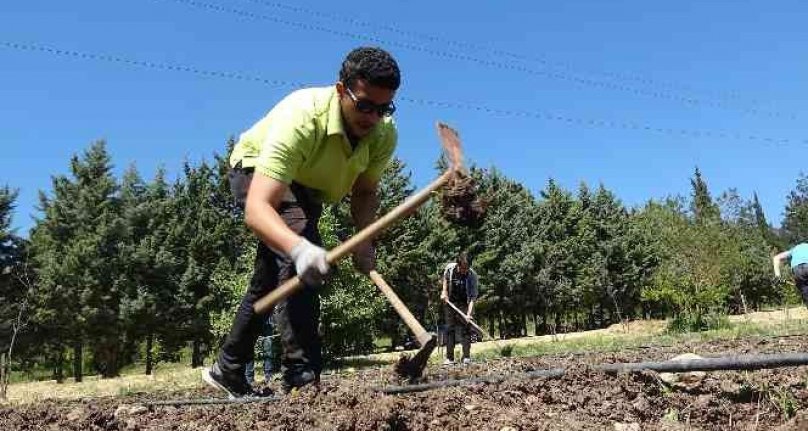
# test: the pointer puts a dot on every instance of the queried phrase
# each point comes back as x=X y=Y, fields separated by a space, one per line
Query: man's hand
x=364 y=258
x=310 y=262
x=444 y=296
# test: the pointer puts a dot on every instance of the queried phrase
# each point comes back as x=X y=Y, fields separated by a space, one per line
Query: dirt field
x=582 y=400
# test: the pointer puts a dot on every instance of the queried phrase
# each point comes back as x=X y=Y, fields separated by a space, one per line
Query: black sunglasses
x=368 y=107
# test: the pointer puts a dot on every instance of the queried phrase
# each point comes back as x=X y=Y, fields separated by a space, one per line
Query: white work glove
x=310 y=262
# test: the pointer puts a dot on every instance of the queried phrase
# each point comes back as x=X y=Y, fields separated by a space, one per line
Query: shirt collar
x=334 y=125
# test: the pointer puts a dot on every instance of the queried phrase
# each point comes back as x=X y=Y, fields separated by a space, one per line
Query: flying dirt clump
x=461 y=203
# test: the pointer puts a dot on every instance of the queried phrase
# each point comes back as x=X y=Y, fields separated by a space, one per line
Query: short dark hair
x=463 y=259
x=374 y=65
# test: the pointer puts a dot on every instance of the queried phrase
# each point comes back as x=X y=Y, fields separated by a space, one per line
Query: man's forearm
x=364 y=207
x=267 y=224
x=471 y=308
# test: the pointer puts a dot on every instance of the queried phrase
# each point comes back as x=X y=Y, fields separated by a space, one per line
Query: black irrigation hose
x=740 y=362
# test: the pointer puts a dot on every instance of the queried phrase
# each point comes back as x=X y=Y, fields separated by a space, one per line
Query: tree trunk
x=77 y=362
x=535 y=324
x=106 y=356
x=3 y=376
x=149 y=342
x=524 y=325
x=196 y=356
x=58 y=366
x=743 y=302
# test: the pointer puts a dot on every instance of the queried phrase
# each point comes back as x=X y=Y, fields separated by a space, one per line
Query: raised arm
x=776 y=261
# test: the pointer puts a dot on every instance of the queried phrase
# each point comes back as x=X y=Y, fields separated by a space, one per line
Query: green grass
x=382 y=344
x=614 y=343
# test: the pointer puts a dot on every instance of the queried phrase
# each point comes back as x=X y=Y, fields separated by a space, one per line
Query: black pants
x=801 y=279
x=297 y=318
x=456 y=328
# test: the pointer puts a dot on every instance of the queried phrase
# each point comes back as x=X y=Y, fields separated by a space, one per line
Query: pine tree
x=503 y=254
x=555 y=275
x=795 y=223
x=702 y=206
x=204 y=231
x=8 y=239
x=14 y=293
x=149 y=265
x=76 y=247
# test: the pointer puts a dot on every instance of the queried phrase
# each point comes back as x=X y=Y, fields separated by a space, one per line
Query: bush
x=697 y=321
x=506 y=351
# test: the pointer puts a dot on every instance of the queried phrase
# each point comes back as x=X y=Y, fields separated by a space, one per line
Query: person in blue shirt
x=799 y=266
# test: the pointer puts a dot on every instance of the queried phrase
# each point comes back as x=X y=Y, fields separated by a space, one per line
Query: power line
x=417 y=101
x=150 y=64
x=474 y=46
x=481 y=61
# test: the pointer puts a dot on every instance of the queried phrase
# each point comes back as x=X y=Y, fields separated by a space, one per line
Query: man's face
x=363 y=106
x=463 y=268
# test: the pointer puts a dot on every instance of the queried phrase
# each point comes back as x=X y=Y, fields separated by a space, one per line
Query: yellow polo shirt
x=302 y=139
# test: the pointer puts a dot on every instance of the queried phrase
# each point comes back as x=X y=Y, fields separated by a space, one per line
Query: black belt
x=296 y=193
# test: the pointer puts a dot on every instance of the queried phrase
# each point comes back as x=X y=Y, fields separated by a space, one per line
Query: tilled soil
x=580 y=400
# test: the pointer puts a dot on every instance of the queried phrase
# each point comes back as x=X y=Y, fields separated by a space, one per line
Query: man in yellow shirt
x=316 y=146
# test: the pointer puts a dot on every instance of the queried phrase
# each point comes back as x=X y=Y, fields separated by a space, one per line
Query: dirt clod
x=461 y=203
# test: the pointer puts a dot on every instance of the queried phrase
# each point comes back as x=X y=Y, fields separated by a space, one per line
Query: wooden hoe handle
x=368 y=233
x=417 y=329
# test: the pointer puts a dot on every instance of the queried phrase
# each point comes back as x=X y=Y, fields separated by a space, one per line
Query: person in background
x=799 y=266
x=265 y=347
x=459 y=288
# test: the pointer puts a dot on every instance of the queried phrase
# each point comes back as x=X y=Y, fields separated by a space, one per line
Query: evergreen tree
x=795 y=223
x=76 y=246
x=701 y=205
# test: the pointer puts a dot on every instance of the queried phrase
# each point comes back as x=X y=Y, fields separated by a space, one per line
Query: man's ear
x=340 y=88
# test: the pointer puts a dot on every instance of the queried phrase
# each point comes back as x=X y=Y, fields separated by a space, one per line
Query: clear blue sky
x=628 y=62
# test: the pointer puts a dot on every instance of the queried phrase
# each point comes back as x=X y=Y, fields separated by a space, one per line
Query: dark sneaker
x=260 y=391
x=299 y=379
x=234 y=384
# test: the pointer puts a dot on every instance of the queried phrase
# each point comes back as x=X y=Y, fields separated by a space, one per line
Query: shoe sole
x=216 y=385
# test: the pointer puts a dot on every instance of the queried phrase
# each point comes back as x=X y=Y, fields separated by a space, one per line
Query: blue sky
x=733 y=68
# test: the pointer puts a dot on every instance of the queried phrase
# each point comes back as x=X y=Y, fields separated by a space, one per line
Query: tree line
x=118 y=271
